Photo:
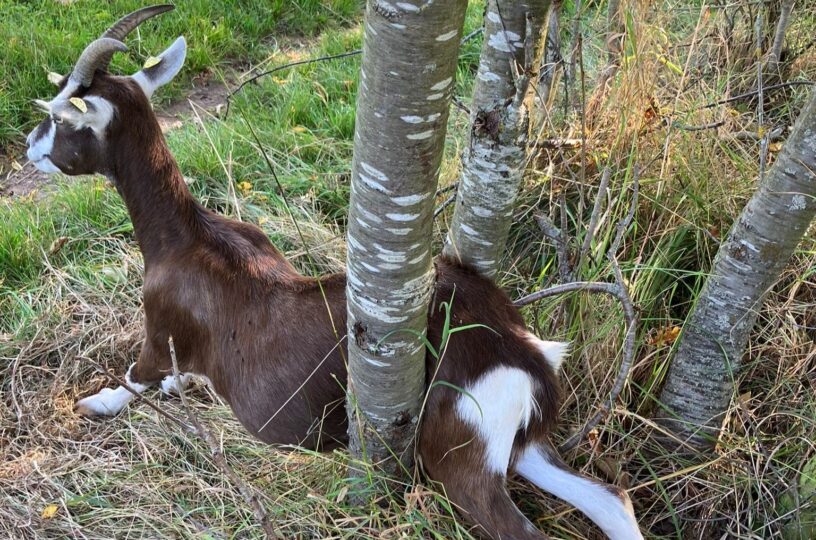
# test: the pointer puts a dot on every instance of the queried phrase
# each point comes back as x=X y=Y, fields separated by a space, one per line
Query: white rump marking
x=554 y=352
x=109 y=401
x=614 y=516
x=500 y=403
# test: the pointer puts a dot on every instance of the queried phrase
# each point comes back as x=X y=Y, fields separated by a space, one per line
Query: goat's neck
x=147 y=177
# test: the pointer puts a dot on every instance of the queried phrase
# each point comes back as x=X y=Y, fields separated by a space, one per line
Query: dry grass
x=141 y=476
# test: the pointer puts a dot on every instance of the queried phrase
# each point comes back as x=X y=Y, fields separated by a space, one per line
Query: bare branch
x=596 y=214
x=779 y=36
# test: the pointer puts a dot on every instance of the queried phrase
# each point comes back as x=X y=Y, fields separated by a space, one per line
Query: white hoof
x=169 y=386
x=108 y=402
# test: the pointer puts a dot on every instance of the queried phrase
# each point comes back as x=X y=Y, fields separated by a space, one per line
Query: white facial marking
x=40 y=149
x=109 y=401
x=613 y=515
x=500 y=403
x=97 y=117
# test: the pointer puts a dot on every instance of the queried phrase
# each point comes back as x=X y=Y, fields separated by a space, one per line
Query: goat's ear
x=161 y=70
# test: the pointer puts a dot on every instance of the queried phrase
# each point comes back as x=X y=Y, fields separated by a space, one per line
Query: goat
x=244 y=318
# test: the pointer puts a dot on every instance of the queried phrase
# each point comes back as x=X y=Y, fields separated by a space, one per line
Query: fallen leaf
x=245 y=187
x=57 y=244
x=665 y=336
x=49 y=511
x=341 y=495
x=16 y=166
x=298 y=129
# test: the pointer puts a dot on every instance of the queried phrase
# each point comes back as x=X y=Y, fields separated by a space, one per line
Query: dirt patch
x=207 y=95
x=27 y=181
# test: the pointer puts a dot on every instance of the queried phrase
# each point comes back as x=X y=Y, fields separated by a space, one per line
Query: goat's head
x=92 y=106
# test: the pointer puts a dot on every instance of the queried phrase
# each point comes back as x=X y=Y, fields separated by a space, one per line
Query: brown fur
x=241 y=315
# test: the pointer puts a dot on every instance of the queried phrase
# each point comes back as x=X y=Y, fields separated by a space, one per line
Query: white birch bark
x=494 y=161
x=407 y=78
x=700 y=381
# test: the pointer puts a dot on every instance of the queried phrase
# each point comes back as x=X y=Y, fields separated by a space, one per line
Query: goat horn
x=128 y=24
x=91 y=57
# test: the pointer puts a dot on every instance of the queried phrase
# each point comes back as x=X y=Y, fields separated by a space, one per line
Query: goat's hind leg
x=148 y=370
x=607 y=506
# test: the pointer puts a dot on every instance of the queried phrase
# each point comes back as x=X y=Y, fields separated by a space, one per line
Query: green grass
x=70 y=280
x=44 y=35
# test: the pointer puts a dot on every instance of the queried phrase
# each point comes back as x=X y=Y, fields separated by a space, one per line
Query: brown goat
x=270 y=342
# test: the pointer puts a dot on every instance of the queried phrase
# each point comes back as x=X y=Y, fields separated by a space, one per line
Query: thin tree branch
x=218 y=455
x=315 y=60
x=775 y=53
x=441 y=207
x=752 y=94
x=595 y=216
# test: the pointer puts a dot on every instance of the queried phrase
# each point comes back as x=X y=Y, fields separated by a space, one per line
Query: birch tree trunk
x=407 y=77
x=700 y=381
x=494 y=161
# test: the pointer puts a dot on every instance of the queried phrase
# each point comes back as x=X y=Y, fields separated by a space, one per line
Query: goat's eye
x=56 y=119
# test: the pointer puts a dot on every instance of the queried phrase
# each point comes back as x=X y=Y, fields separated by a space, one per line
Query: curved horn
x=89 y=60
x=127 y=24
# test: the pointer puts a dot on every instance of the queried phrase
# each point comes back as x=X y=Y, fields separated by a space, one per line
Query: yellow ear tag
x=79 y=103
x=54 y=78
x=152 y=61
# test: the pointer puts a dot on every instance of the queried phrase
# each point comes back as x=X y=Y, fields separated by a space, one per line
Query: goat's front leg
x=150 y=369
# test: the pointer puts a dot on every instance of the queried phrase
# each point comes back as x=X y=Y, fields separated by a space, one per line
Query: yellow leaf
x=775 y=147
x=298 y=129
x=54 y=78
x=245 y=187
x=761 y=131
x=50 y=511
x=665 y=336
x=79 y=103
x=16 y=166
x=152 y=61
